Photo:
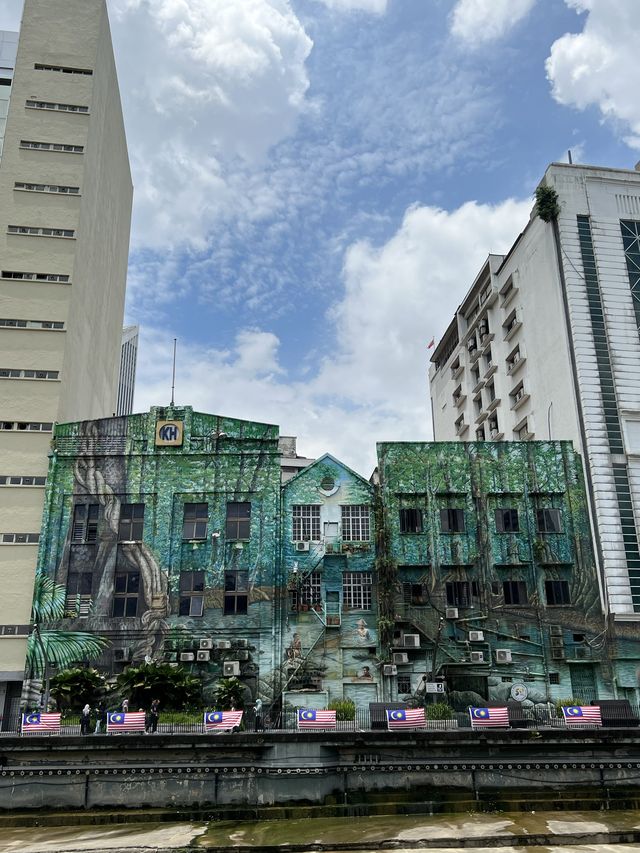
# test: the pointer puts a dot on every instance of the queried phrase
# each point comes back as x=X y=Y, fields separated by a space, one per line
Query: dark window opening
x=236 y=593
x=238 y=520
x=404 y=684
x=554 y=678
x=452 y=520
x=515 y=592
x=415 y=594
x=461 y=593
x=131 y=523
x=85 y=523
x=126 y=594
x=194 y=525
x=79 y=583
x=507 y=521
x=191 y=593
x=549 y=520
x=410 y=520
x=557 y=593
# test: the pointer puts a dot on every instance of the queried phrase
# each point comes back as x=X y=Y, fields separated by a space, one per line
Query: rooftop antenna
x=173 y=377
x=570 y=157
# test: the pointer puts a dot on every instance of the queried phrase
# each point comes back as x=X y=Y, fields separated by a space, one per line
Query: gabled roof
x=323 y=458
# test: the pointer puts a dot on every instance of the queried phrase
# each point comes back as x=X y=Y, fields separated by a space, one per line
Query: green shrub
x=547 y=206
x=173 y=687
x=345 y=709
x=229 y=694
x=73 y=688
x=439 y=711
x=566 y=703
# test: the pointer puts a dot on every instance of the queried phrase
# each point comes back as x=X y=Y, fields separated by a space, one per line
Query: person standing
x=85 y=719
x=101 y=717
x=154 y=717
x=257 y=722
x=125 y=706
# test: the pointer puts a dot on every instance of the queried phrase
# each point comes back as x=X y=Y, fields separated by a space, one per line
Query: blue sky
x=318 y=182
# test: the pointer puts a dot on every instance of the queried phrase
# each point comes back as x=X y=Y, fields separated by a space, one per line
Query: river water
x=577 y=832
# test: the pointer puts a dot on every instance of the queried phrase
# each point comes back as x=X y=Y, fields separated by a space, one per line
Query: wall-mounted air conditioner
x=477 y=657
x=389 y=669
x=476 y=636
x=503 y=655
x=206 y=644
x=451 y=612
x=411 y=641
x=241 y=644
x=187 y=657
x=223 y=644
x=302 y=546
x=400 y=657
x=203 y=655
x=231 y=668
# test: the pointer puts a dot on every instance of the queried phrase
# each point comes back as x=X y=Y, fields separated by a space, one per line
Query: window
x=192 y=592
x=14 y=373
x=48 y=105
x=126 y=594
x=63 y=69
x=238 y=520
x=236 y=595
x=52 y=146
x=26 y=426
x=410 y=520
x=79 y=588
x=554 y=678
x=460 y=593
x=549 y=520
x=355 y=523
x=131 y=523
x=306 y=523
x=34 y=276
x=22 y=481
x=194 y=525
x=85 y=523
x=31 y=324
x=452 y=520
x=404 y=684
x=507 y=521
x=46 y=188
x=415 y=594
x=515 y=592
x=37 y=231
x=20 y=538
x=309 y=592
x=356 y=590
x=557 y=593
x=512 y=359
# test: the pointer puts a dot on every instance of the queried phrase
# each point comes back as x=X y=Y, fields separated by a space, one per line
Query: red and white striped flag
x=126 y=722
x=410 y=718
x=41 y=724
x=582 y=715
x=489 y=718
x=309 y=718
x=221 y=720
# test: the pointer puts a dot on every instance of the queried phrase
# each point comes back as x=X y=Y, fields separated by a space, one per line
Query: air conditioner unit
x=231 y=668
x=400 y=657
x=241 y=644
x=242 y=654
x=302 y=546
x=389 y=669
x=477 y=657
x=503 y=655
x=411 y=641
x=451 y=612
x=187 y=657
x=519 y=394
x=203 y=656
x=223 y=644
x=122 y=655
x=476 y=636
x=206 y=644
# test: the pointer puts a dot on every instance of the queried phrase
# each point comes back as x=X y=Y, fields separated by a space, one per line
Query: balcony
x=459 y=399
x=491 y=369
x=461 y=427
x=514 y=365
x=493 y=404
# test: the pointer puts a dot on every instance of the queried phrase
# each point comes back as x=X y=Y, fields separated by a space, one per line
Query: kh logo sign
x=169 y=433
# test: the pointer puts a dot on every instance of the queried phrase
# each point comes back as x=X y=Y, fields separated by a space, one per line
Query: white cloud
x=208 y=87
x=376 y=7
x=371 y=384
x=599 y=66
x=480 y=21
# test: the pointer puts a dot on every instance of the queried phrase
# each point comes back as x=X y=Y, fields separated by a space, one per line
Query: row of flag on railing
x=311 y=718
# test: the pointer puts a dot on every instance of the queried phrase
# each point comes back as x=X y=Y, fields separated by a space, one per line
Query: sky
x=318 y=182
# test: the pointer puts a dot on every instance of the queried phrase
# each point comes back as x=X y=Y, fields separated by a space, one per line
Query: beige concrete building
x=65 y=210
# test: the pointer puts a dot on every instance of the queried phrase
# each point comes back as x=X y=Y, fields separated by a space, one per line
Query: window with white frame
x=356 y=590
x=63 y=108
x=34 y=276
x=355 y=523
x=306 y=523
x=52 y=146
x=309 y=591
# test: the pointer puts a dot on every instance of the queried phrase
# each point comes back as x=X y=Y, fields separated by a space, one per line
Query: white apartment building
x=546 y=345
x=65 y=209
x=127 y=374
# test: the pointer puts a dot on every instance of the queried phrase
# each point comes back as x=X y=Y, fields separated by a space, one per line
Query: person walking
x=154 y=717
x=101 y=718
x=85 y=719
x=257 y=721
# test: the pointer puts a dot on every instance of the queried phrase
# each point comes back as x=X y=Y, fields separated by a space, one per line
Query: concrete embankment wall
x=271 y=775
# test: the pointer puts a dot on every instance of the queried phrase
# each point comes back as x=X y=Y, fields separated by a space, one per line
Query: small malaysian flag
x=126 y=722
x=411 y=718
x=582 y=715
x=221 y=720
x=41 y=724
x=489 y=717
x=309 y=718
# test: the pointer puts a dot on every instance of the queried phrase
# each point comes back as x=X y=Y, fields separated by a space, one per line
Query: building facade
x=545 y=345
x=65 y=204
x=127 y=374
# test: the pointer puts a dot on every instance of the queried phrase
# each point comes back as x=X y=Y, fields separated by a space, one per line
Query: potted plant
x=440 y=716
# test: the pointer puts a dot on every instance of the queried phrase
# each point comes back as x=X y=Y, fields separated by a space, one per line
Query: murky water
x=423 y=831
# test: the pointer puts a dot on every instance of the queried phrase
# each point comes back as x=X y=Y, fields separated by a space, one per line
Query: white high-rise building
x=546 y=345
x=127 y=375
x=65 y=210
